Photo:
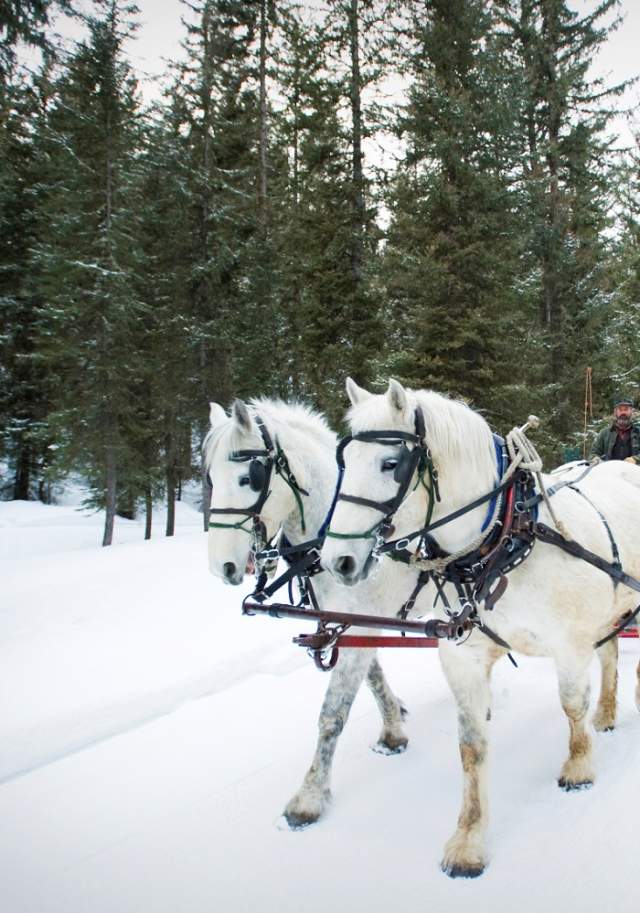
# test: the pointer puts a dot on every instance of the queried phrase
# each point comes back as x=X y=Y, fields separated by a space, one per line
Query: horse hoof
x=462 y=871
x=570 y=786
x=390 y=746
x=290 y=822
x=601 y=725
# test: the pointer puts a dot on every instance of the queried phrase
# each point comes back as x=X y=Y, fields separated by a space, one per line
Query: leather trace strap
x=546 y=534
x=613 y=569
x=396 y=545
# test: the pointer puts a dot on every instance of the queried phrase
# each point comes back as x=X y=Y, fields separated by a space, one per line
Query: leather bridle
x=263 y=462
x=417 y=458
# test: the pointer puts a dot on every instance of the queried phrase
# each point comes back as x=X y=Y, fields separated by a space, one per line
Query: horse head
x=252 y=495
x=375 y=469
x=411 y=457
x=271 y=465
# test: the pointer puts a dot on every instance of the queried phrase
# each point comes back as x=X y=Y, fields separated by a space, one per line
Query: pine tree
x=24 y=21
x=567 y=180
x=170 y=391
x=218 y=113
x=620 y=369
x=451 y=253
x=23 y=390
x=327 y=233
x=91 y=316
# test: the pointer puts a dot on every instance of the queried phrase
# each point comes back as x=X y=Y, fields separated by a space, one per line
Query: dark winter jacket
x=606 y=439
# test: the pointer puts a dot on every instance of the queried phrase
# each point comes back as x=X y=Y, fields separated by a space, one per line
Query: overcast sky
x=161 y=31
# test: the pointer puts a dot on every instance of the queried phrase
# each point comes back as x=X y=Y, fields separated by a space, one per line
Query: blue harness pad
x=502 y=461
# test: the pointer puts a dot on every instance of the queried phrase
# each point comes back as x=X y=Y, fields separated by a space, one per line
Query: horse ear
x=355 y=393
x=241 y=416
x=217 y=415
x=397 y=395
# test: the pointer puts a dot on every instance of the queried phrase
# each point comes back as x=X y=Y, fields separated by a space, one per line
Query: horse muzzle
x=347 y=570
x=232 y=574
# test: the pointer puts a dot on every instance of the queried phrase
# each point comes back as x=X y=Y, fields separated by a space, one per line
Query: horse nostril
x=345 y=565
x=229 y=569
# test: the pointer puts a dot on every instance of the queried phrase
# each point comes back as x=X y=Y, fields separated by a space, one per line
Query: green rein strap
x=239 y=525
x=290 y=479
x=284 y=471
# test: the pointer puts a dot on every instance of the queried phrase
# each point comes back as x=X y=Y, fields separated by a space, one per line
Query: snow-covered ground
x=151 y=736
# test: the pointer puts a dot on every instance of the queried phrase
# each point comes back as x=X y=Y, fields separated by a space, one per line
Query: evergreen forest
x=426 y=189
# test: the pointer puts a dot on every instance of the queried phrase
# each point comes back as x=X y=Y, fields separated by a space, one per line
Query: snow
x=151 y=736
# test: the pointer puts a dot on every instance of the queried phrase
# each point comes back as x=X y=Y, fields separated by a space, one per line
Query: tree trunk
x=44 y=491
x=263 y=139
x=148 y=510
x=111 y=495
x=552 y=317
x=126 y=505
x=206 y=498
x=357 y=175
x=171 y=496
x=22 y=477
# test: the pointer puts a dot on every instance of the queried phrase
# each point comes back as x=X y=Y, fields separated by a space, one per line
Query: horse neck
x=318 y=477
x=464 y=474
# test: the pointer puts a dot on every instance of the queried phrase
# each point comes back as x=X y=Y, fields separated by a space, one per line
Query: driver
x=621 y=439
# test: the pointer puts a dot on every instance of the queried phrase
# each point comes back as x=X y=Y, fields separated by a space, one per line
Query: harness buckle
x=401 y=544
x=268 y=554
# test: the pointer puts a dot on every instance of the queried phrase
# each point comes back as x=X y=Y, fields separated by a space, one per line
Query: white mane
x=294 y=424
x=453 y=430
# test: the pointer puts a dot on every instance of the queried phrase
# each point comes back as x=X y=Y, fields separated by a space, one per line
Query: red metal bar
x=371 y=642
x=355 y=640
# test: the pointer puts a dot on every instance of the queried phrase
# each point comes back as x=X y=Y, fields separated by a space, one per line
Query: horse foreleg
x=392 y=739
x=467 y=671
x=577 y=771
x=311 y=800
x=605 y=716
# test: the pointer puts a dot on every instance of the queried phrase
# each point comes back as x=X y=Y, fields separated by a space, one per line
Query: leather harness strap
x=612 y=569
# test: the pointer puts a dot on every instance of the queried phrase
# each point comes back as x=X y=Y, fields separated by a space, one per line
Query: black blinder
x=257 y=475
x=404 y=467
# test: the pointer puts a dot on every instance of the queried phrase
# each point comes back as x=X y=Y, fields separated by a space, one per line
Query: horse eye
x=244 y=480
x=389 y=465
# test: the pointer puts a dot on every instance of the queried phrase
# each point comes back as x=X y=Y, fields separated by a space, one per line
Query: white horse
x=555 y=604
x=309 y=446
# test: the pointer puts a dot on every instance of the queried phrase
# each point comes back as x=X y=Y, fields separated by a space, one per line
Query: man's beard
x=623 y=422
